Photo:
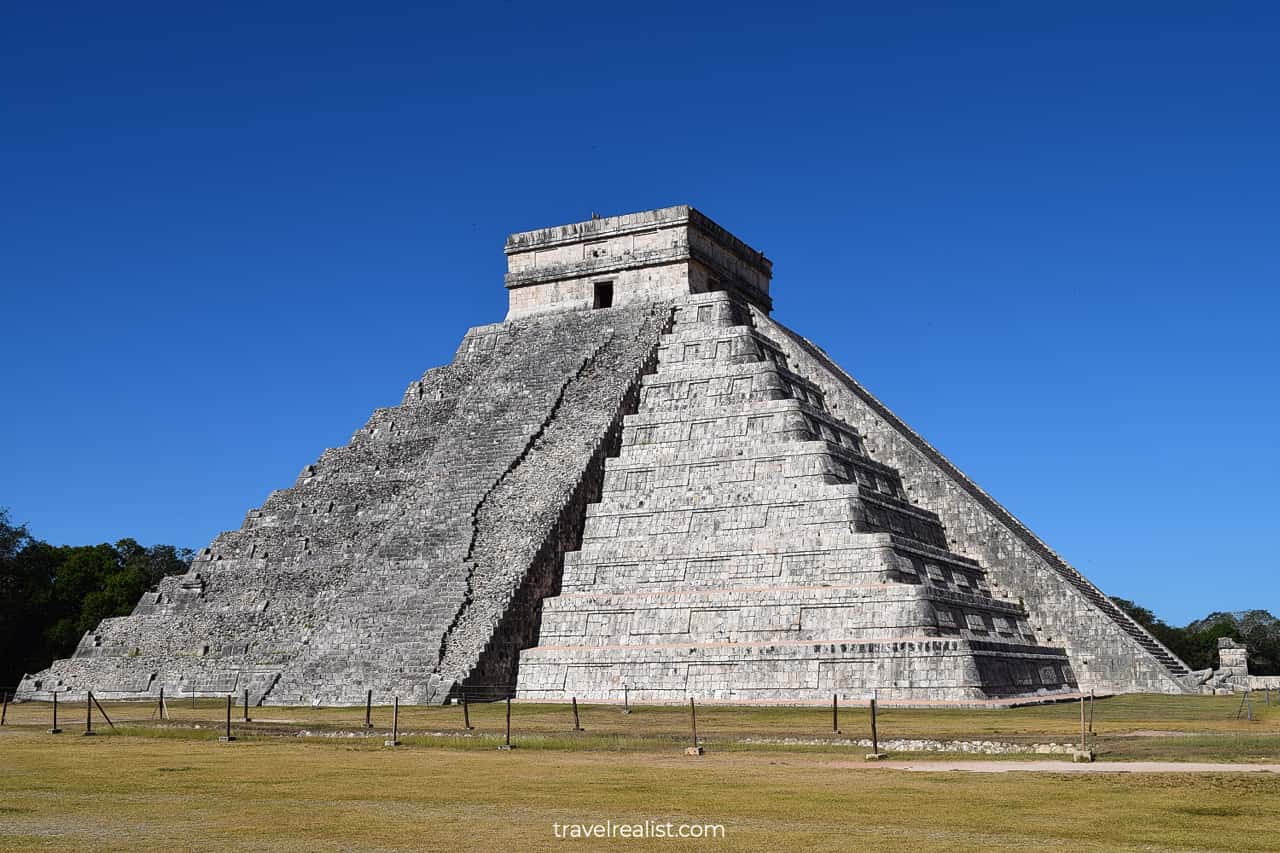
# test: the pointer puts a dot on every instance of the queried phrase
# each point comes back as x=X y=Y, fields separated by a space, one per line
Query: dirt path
x=1067 y=766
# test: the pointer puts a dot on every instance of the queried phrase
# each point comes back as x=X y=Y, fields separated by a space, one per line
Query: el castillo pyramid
x=638 y=481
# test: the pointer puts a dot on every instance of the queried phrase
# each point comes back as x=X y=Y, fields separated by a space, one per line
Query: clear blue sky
x=1045 y=235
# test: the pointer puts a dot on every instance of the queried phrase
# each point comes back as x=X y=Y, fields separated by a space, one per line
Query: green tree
x=23 y=595
x=50 y=596
x=1197 y=643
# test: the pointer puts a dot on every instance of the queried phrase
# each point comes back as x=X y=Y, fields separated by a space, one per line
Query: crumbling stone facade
x=638 y=479
x=396 y=562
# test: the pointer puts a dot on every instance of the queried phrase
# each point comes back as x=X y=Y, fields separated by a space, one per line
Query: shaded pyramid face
x=747 y=548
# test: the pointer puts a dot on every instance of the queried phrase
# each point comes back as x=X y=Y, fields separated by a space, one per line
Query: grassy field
x=163 y=786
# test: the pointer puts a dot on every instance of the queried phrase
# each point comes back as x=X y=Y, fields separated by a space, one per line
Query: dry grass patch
x=70 y=792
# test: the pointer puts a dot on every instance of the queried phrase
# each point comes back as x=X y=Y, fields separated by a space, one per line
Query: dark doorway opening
x=604 y=294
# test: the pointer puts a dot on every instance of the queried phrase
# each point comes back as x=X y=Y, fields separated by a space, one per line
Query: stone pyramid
x=638 y=482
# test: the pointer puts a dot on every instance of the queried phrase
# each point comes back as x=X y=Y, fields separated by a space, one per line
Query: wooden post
x=55 y=730
x=395 y=723
x=466 y=713
x=227 y=738
x=102 y=711
x=193 y=692
x=507 y=743
x=875 y=733
x=164 y=707
x=626 y=700
x=368 y=710
x=246 y=706
x=577 y=727
x=1084 y=753
x=693 y=725
x=835 y=715
x=4 y=712
x=88 y=714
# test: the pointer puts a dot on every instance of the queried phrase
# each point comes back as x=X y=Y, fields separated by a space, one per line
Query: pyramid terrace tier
x=906 y=669
x=735 y=340
x=781 y=419
x=734 y=461
x=739 y=457
x=803 y=558
x=742 y=613
x=779 y=507
x=684 y=385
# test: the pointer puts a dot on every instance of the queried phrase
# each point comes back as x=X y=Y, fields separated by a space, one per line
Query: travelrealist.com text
x=647 y=829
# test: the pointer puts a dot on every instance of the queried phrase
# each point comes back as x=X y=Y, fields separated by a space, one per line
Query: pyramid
x=639 y=484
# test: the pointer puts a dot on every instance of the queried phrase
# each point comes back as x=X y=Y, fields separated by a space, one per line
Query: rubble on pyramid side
x=361 y=575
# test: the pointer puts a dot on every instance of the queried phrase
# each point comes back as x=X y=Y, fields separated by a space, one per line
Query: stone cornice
x=599 y=266
x=636 y=223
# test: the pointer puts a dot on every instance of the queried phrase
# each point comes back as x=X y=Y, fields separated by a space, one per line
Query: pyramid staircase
x=746 y=548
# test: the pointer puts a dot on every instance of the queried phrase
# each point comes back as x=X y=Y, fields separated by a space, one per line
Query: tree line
x=1197 y=643
x=50 y=595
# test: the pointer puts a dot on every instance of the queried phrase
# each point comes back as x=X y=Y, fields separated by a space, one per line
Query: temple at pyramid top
x=637 y=257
